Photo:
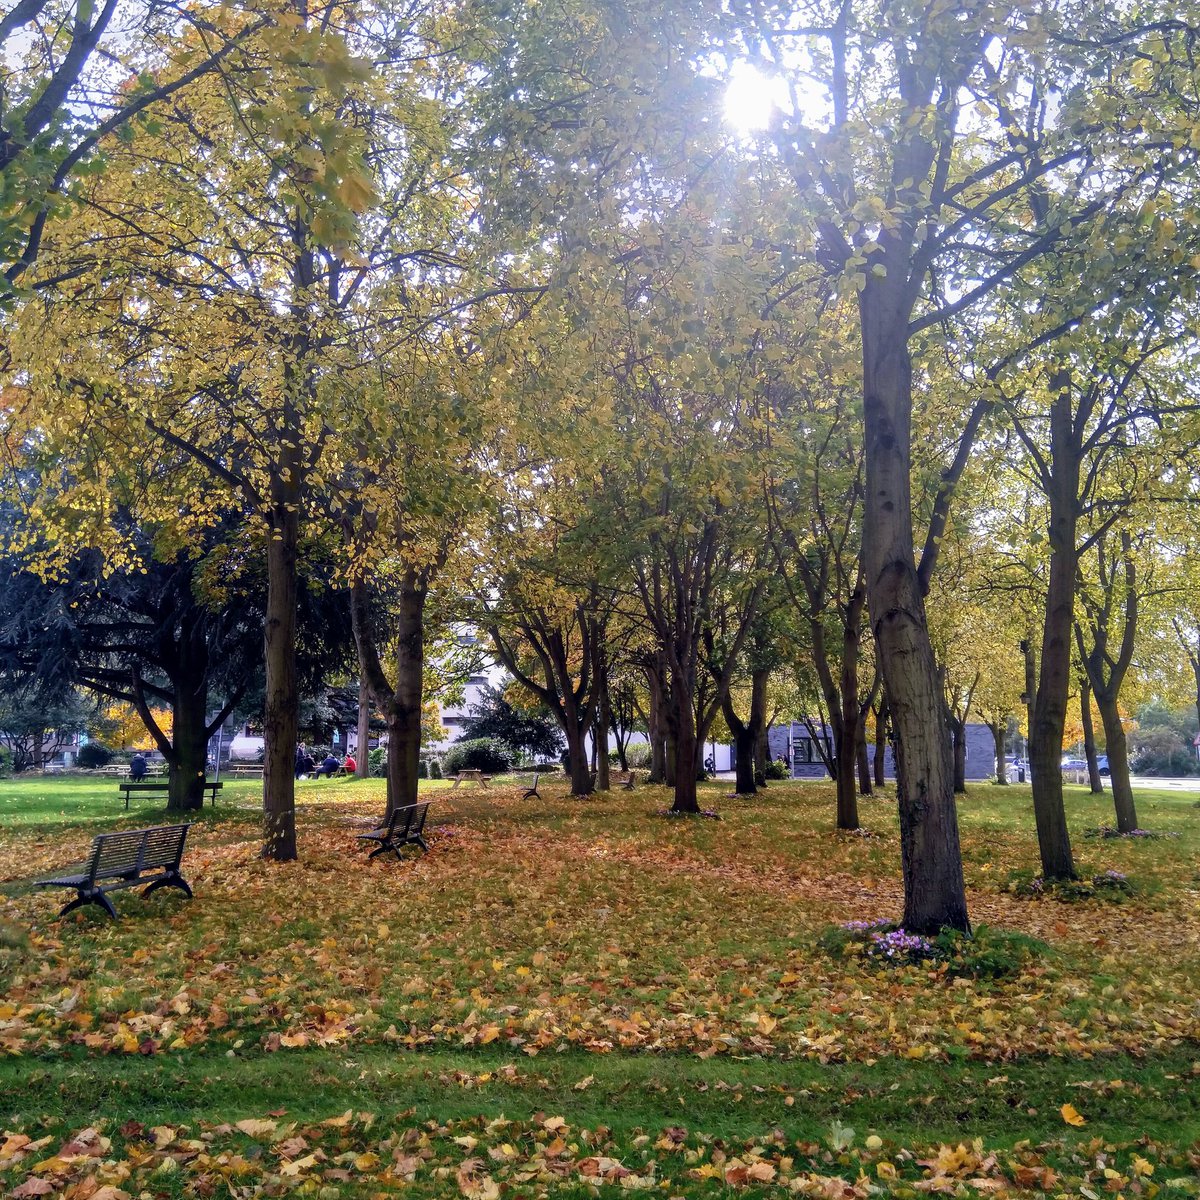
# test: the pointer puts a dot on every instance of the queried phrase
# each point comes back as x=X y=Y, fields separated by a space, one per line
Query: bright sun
x=751 y=97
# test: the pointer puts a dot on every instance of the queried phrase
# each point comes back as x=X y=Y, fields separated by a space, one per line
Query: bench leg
x=382 y=848
x=176 y=881
x=96 y=897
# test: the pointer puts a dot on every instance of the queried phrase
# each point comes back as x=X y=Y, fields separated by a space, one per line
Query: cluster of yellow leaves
x=586 y=925
x=478 y=1157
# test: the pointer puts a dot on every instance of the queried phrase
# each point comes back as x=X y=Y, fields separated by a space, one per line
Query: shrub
x=93 y=755
x=5 y=761
x=1162 y=751
x=422 y=770
x=639 y=756
x=377 y=762
x=435 y=769
x=477 y=754
x=776 y=769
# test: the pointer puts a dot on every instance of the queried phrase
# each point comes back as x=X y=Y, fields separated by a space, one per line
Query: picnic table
x=163 y=789
x=471 y=776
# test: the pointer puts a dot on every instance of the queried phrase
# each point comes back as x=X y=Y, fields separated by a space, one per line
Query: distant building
x=795 y=744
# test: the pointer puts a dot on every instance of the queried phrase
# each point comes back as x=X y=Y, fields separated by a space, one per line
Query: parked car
x=1069 y=763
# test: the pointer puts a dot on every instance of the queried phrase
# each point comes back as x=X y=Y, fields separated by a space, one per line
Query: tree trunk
x=1095 y=782
x=189 y=748
x=39 y=749
x=282 y=700
x=577 y=758
x=860 y=754
x=745 y=740
x=880 y=764
x=404 y=705
x=1117 y=749
x=362 y=767
x=1054 y=678
x=999 y=731
x=959 y=731
x=655 y=732
x=846 y=762
x=762 y=751
x=603 y=720
x=934 y=891
x=686 y=749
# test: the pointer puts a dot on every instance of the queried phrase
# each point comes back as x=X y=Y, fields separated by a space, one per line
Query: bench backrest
x=116 y=854
x=164 y=846
x=132 y=851
x=409 y=820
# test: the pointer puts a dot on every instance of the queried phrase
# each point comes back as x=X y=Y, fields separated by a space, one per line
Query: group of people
x=307 y=766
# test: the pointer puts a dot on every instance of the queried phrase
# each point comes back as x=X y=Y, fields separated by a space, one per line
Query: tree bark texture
x=934 y=891
x=1054 y=678
x=362 y=765
x=282 y=701
x=1095 y=781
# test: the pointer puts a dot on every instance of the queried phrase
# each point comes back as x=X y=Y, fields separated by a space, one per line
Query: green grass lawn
x=571 y=997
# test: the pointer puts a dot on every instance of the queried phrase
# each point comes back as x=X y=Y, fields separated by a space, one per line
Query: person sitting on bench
x=137 y=767
x=329 y=764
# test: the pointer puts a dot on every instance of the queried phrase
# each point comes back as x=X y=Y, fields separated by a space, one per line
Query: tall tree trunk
x=404 y=705
x=686 y=748
x=744 y=741
x=189 y=747
x=934 y=891
x=362 y=767
x=959 y=731
x=746 y=733
x=39 y=749
x=860 y=754
x=655 y=732
x=1095 y=782
x=1054 y=678
x=280 y=717
x=881 y=720
x=762 y=753
x=846 y=762
x=577 y=760
x=1117 y=748
x=999 y=730
x=603 y=720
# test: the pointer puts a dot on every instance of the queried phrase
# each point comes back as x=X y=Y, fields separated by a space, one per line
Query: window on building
x=802 y=750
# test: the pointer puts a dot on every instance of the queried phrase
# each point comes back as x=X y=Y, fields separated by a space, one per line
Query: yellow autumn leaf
x=257 y=1128
x=1071 y=1115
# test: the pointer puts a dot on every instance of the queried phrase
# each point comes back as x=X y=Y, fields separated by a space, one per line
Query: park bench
x=531 y=790
x=471 y=776
x=163 y=789
x=405 y=827
x=626 y=779
x=127 y=859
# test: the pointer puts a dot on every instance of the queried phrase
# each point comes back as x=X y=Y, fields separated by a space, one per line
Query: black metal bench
x=163 y=789
x=122 y=860
x=531 y=790
x=405 y=827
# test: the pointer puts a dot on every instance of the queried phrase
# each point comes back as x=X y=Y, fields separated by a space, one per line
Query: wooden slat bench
x=122 y=860
x=163 y=789
x=405 y=828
